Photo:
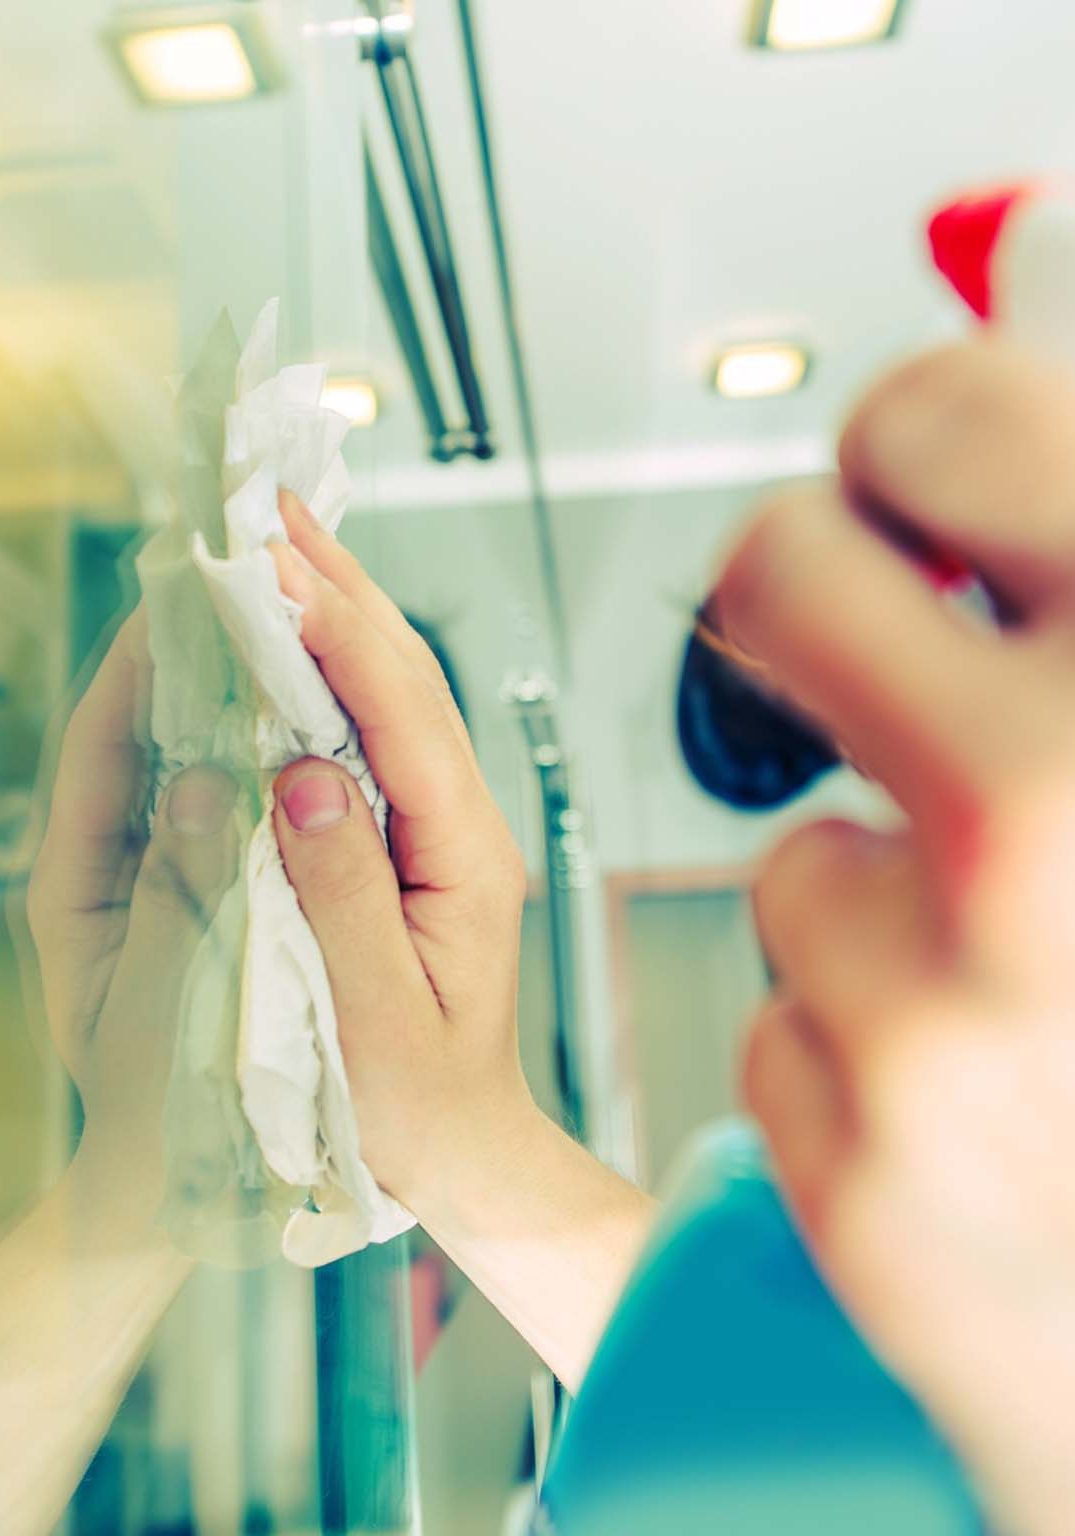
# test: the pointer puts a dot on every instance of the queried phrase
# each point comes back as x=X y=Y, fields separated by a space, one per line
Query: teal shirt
x=731 y=1395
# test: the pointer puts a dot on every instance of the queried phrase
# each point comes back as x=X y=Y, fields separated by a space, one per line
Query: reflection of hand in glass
x=116 y=917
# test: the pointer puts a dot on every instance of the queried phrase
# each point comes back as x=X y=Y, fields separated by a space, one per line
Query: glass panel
x=692 y=975
x=520 y=238
x=265 y=1398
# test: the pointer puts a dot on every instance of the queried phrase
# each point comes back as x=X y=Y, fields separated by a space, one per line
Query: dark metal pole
x=365 y=1393
x=403 y=103
x=567 y=868
x=398 y=302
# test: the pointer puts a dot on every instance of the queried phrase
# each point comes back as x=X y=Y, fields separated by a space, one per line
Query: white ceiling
x=668 y=189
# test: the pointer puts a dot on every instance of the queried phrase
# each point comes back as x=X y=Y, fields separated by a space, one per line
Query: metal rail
x=383 y=40
x=400 y=307
x=567 y=864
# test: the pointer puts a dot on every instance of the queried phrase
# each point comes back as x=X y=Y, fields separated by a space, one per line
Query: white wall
x=632 y=571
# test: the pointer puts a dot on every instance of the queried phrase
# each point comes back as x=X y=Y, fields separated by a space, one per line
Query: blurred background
x=588 y=280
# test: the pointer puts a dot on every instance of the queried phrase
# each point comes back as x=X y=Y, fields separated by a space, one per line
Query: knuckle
x=436 y=680
x=339 y=884
x=514 y=876
x=331 y=624
x=342 y=867
x=495 y=892
x=167 y=885
x=333 y=641
x=428 y=662
x=501 y=887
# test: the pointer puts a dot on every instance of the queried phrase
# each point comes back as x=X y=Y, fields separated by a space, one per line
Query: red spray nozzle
x=963 y=237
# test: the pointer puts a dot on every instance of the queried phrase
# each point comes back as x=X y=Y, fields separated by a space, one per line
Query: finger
x=791 y=1087
x=442 y=814
x=190 y=862
x=973 y=448
x=328 y=556
x=339 y=566
x=78 y=901
x=93 y=842
x=337 y=863
x=859 y=640
x=845 y=921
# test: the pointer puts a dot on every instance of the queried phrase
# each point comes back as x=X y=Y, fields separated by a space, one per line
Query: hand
x=915 y=1072
x=422 y=947
x=116 y=915
x=422 y=950
x=116 y=918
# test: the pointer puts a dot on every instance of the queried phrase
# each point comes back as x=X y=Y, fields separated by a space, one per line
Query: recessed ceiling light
x=353 y=397
x=791 y=26
x=195 y=55
x=754 y=371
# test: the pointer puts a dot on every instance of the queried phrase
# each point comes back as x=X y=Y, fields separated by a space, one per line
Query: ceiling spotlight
x=793 y=26
x=353 y=397
x=195 y=55
x=760 y=369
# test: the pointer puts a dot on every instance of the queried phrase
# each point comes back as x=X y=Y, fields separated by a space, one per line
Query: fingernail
x=316 y=802
x=200 y=801
x=290 y=503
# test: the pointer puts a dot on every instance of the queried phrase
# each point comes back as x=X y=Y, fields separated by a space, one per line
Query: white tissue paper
x=288 y=1067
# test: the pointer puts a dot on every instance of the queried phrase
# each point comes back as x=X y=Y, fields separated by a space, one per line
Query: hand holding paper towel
x=282 y=1131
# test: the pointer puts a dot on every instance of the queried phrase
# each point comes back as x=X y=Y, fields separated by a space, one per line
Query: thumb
x=343 y=876
x=190 y=863
x=191 y=860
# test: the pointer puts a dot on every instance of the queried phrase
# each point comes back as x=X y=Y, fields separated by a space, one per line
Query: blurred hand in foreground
x=915 y=1071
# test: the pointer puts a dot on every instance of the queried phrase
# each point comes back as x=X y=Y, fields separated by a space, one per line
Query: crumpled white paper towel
x=292 y=1085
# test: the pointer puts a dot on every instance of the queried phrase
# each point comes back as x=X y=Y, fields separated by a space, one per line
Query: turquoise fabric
x=732 y=1396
